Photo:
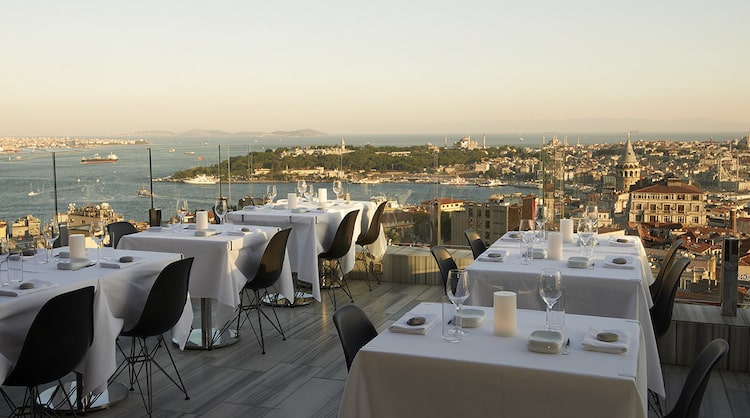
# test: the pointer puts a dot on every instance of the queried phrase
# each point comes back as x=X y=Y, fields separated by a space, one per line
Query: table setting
x=495 y=369
x=609 y=279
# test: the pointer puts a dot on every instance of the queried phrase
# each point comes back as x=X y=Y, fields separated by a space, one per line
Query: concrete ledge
x=413 y=265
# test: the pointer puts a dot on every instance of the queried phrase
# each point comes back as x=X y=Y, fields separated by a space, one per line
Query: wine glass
x=220 y=209
x=301 y=187
x=585 y=235
x=592 y=216
x=338 y=188
x=271 y=193
x=541 y=217
x=309 y=193
x=526 y=230
x=550 y=289
x=182 y=210
x=457 y=289
x=51 y=234
x=98 y=231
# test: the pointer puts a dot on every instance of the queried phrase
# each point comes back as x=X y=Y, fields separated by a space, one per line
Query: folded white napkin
x=75 y=264
x=154 y=229
x=206 y=232
x=511 y=236
x=114 y=264
x=15 y=291
x=622 y=241
x=401 y=326
x=609 y=262
x=494 y=255
x=238 y=232
x=620 y=346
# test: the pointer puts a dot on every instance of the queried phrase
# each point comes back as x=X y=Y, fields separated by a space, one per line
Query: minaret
x=484 y=141
x=628 y=169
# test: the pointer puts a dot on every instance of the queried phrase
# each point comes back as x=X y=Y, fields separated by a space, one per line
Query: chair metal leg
x=256 y=303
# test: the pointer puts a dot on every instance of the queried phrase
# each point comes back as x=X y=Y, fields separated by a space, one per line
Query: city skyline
x=89 y=68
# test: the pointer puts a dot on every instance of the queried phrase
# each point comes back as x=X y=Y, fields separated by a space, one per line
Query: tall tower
x=628 y=169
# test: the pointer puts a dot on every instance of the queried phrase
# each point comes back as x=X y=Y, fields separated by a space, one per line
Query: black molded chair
x=475 y=242
x=330 y=258
x=689 y=403
x=117 y=230
x=56 y=342
x=368 y=238
x=354 y=329
x=666 y=264
x=163 y=308
x=661 y=312
x=444 y=261
x=266 y=276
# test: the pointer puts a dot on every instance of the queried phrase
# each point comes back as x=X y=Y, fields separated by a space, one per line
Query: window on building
x=695 y=220
x=680 y=208
x=667 y=207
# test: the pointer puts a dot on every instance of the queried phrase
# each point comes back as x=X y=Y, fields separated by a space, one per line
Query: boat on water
x=456 y=181
x=171 y=150
x=200 y=179
x=491 y=183
x=96 y=159
x=144 y=192
x=33 y=193
x=188 y=153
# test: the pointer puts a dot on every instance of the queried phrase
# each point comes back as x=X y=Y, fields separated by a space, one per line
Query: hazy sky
x=105 y=67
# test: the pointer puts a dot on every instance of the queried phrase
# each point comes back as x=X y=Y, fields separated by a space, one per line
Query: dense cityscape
x=658 y=190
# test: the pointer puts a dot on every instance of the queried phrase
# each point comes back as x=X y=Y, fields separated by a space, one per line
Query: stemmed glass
x=338 y=188
x=592 y=217
x=271 y=193
x=309 y=193
x=182 y=210
x=457 y=289
x=51 y=234
x=98 y=232
x=585 y=235
x=526 y=230
x=541 y=217
x=550 y=289
x=301 y=187
x=220 y=209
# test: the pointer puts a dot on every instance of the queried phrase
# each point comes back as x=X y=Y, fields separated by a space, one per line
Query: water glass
x=448 y=312
x=527 y=236
x=15 y=267
x=557 y=315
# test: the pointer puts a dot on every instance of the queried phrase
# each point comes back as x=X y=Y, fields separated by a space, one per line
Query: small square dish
x=539 y=253
x=579 y=262
x=545 y=341
x=472 y=318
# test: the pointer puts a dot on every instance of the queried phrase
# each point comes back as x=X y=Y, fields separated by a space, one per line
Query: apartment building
x=671 y=201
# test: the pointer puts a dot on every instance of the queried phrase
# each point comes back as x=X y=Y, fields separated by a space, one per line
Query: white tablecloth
x=601 y=291
x=118 y=302
x=215 y=273
x=312 y=233
x=407 y=375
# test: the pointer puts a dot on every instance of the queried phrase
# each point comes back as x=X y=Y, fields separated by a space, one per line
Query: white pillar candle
x=291 y=200
x=504 y=313
x=77 y=244
x=555 y=245
x=566 y=228
x=322 y=196
x=201 y=220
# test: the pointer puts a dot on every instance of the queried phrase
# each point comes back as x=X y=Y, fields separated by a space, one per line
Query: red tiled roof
x=663 y=188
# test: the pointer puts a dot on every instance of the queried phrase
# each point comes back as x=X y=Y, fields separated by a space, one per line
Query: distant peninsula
x=213 y=133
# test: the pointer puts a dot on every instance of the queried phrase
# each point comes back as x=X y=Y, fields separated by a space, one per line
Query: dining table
x=121 y=290
x=225 y=258
x=613 y=283
x=484 y=375
x=313 y=229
